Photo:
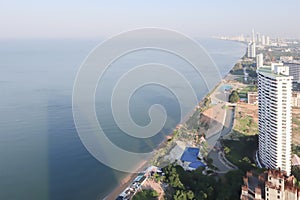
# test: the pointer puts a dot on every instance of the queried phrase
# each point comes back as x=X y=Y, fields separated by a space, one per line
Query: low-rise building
x=252 y=98
x=296 y=99
x=286 y=58
x=272 y=184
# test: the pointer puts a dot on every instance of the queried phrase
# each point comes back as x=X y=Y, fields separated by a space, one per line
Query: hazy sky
x=99 y=18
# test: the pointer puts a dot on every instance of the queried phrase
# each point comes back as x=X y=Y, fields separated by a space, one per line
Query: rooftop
x=267 y=70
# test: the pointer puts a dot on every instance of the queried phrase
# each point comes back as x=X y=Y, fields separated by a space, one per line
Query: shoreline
x=130 y=177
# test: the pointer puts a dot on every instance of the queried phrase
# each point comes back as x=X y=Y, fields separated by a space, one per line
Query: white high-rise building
x=259 y=60
x=258 y=39
x=251 y=53
x=253 y=37
x=263 y=40
x=275 y=116
x=267 y=40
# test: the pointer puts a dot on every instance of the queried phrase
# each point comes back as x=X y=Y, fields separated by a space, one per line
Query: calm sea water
x=41 y=155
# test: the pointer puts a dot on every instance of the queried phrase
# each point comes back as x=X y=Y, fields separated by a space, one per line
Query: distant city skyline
x=95 y=19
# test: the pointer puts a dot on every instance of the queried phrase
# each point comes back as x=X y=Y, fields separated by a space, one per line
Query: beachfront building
x=138 y=182
x=251 y=52
x=259 y=60
x=275 y=116
x=270 y=185
x=190 y=159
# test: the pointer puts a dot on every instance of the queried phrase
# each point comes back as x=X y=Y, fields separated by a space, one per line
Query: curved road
x=218 y=157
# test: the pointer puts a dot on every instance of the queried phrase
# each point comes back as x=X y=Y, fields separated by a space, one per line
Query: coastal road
x=220 y=96
x=218 y=158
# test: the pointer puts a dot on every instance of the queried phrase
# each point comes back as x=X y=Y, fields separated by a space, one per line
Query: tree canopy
x=234 y=97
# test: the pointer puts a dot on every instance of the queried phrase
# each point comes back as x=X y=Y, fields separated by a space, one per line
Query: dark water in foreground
x=41 y=155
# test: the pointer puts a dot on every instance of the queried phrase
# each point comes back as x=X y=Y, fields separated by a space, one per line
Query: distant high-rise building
x=258 y=39
x=263 y=40
x=251 y=53
x=268 y=40
x=242 y=38
x=253 y=36
x=259 y=60
x=275 y=116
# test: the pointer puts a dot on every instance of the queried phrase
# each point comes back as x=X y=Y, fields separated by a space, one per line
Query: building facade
x=275 y=117
x=252 y=98
x=259 y=60
x=294 y=68
x=270 y=185
x=263 y=40
x=267 y=40
x=296 y=99
x=251 y=53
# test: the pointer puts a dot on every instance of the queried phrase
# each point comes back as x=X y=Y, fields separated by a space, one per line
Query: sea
x=41 y=154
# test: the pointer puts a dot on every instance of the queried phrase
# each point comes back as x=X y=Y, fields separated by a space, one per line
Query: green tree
x=157 y=178
x=234 y=97
x=190 y=195
x=180 y=195
x=246 y=160
x=154 y=193
x=207 y=101
x=227 y=150
x=172 y=177
x=296 y=172
x=145 y=195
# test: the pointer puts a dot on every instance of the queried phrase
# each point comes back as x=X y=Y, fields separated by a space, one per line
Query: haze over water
x=41 y=155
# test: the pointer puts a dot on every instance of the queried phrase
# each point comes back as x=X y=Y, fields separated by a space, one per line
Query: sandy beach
x=125 y=182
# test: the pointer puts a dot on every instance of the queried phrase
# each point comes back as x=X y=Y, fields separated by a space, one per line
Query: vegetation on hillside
x=296 y=126
x=145 y=195
x=237 y=69
x=194 y=185
x=241 y=152
x=246 y=125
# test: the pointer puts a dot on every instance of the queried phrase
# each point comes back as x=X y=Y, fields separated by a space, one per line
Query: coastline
x=125 y=182
x=130 y=177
